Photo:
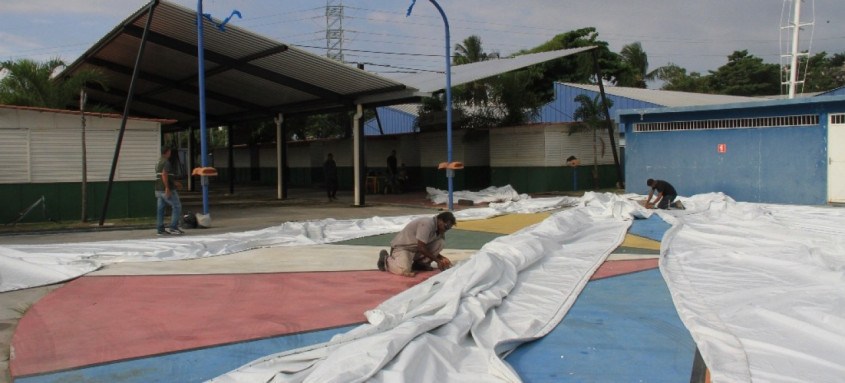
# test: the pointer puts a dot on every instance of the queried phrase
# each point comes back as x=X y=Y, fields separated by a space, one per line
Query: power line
x=368 y=51
x=399 y=67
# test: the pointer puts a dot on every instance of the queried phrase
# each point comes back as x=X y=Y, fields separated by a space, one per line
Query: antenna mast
x=334 y=29
x=793 y=27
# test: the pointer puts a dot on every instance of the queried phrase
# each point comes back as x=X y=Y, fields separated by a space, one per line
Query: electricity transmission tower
x=334 y=29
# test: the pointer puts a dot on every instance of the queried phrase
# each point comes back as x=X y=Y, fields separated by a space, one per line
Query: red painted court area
x=616 y=268
x=95 y=320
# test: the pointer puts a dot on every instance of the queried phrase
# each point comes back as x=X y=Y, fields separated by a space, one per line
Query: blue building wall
x=563 y=107
x=393 y=121
x=776 y=165
x=834 y=92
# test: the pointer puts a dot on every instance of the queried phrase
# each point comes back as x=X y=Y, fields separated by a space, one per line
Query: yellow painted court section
x=640 y=242
x=506 y=224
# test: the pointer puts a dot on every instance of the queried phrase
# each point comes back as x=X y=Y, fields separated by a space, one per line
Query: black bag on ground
x=190 y=220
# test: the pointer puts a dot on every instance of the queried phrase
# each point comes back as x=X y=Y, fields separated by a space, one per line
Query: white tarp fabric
x=490 y=194
x=24 y=266
x=459 y=324
x=760 y=287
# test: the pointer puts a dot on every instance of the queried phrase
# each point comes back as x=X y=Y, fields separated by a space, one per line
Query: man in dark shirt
x=330 y=173
x=666 y=194
x=392 y=171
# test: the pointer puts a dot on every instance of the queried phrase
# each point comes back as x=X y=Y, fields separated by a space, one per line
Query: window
x=736 y=123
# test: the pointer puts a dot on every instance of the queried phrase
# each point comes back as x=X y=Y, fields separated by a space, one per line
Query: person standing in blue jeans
x=166 y=195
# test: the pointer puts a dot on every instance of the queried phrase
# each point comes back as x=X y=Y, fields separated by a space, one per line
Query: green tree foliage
x=577 y=68
x=746 y=75
x=590 y=112
x=29 y=83
x=676 y=78
x=593 y=118
x=636 y=66
x=824 y=72
x=743 y=75
x=326 y=125
x=470 y=51
x=504 y=100
x=516 y=102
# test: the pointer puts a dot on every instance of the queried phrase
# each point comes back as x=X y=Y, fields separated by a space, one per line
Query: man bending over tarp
x=666 y=195
x=417 y=245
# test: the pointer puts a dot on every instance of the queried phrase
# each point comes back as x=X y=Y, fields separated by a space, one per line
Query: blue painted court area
x=653 y=228
x=189 y=366
x=621 y=329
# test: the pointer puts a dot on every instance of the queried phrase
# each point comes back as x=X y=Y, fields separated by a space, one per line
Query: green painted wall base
x=468 y=178
x=132 y=199
x=525 y=179
x=547 y=179
x=308 y=177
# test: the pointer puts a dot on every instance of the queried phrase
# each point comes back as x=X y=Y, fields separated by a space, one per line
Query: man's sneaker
x=382 y=259
x=163 y=232
x=175 y=231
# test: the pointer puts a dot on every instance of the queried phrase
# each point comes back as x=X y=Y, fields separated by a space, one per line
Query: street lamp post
x=450 y=173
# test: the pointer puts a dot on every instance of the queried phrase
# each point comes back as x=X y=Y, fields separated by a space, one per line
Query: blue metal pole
x=203 y=134
x=449 y=172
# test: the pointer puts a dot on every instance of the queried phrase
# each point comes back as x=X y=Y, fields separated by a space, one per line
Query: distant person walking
x=666 y=194
x=166 y=194
x=330 y=173
x=392 y=171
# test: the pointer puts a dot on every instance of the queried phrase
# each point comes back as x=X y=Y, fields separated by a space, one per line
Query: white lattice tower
x=791 y=28
x=334 y=29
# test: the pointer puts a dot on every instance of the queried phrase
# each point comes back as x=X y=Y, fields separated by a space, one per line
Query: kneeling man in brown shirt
x=417 y=245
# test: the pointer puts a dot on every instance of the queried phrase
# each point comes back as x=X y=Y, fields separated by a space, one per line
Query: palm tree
x=635 y=58
x=30 y=83
x=591 y=113
x=471 y=51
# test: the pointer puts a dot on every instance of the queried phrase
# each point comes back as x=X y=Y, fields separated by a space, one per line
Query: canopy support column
x=359 y=160
x=281 y=158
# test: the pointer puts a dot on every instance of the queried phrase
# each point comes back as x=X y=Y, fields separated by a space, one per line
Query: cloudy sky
x=697 y=35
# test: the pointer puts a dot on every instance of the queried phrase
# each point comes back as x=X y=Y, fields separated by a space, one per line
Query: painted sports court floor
x=188 y=321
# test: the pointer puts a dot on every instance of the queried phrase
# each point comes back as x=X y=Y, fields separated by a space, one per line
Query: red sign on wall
x=722 y=148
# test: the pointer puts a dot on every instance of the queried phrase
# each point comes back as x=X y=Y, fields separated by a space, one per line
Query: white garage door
x=836 y=158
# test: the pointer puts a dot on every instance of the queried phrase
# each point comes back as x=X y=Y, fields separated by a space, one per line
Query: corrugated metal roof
x=78 y=113
x=667 y=97
x=396 y=119
x=758 y=103
x=247 y=75
x=411 y=109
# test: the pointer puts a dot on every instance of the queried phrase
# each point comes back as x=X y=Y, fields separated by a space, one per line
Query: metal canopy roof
x=247 y=75
x=461 y=74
